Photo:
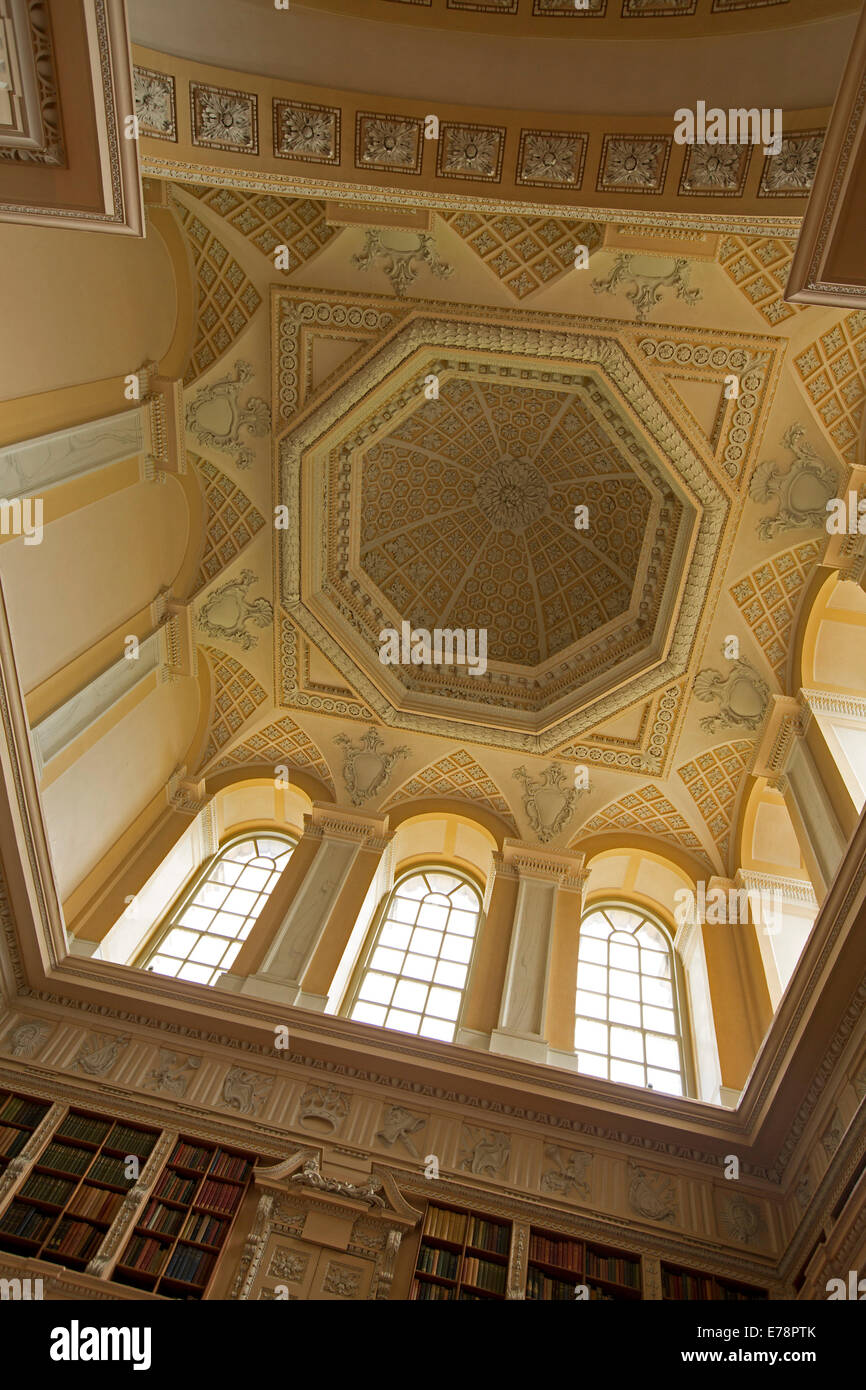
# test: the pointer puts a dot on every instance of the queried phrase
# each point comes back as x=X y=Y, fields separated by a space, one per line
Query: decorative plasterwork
x=740 y=692
x=155 y=105
x=768 y=598
x=401 y=265
x=551 y=158
x=388 y=142
x=32 y=133
x=525 y=252
x=715 y=171
x=617 y=383
x=633 y=163
x=802 y=490
x=237 y=696
x=457 y=776
x=758 y=266
x=216 y=415
x=367 y=764
x=226 y=611
x=791 y=172
x=470 y=151
x=268 y=222
x=223 y=118
x=713 y=779
x=307 y=130
x=230 y=524
x=648 y=753
x=295 y=685
x=648 y=811
x=548 y=800
x=281 y=742
x=646 y=286
x=227 y=300
x=834 y=376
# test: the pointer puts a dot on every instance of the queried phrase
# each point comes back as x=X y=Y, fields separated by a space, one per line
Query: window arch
x=415 y=972
x=204 y=933
x=628 y=1023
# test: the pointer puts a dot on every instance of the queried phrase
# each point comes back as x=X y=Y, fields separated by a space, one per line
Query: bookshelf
x=680 y=1284
x=557 y=1263
x=463 y=1255
x=185 y=1222
x=74 y=1190
x=19 y=1117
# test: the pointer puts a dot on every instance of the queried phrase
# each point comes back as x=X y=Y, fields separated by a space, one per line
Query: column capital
x=786 y=720
x=563 y=867
x=329 y=822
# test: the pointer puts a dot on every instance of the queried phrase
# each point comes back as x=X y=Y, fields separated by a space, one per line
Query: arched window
x=627 y=1018
x=415 y=974
x=204 y=933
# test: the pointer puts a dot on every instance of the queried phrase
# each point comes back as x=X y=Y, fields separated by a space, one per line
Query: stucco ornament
x=366 y=765
x=548 y=800
x=216 y=416
x=802 y=490
x=401 y=263
x=646 y=288
x=226 y=612
x=740 y=692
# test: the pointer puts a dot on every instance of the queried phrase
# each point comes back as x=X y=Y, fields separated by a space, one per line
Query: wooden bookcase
x=679 y=1284
x=19 y=1116
x=185 y=1222
x=557 y=1263
x=463 y=1255
x=75 y=1189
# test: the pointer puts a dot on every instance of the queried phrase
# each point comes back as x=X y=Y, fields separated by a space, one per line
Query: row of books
x=175 y=1188
x=108 y=1169
x=207 y=1230
x=616 y=1268
x=424 y=1292
x=65 y=1159
x=75 y=1238
x=85 y=1127
x=445 y=1225
x=218 y=1195
x=47 y=1189
x=229 y=1166
x=542 y=1288
x=159 y=1217
x=483 y=1274
x=21 y=1111
x=488 y=1235
x=445 y=1263
x=25 y=1221
x=188 y=1265
x=551 y=1251
x=12 y=1141
x=734 y=1295
x=190 y=1155
x=126 y=1140
x=95 y=1203
x=682 y=1285
x=146 y=1254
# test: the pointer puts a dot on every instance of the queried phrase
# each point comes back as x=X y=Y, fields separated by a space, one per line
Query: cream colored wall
x=91 y=804
x=94 y=568
x=79 y=307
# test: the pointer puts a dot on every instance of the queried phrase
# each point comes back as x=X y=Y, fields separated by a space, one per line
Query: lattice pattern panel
x=268 y=221
x=768 y=599
x=647 y=810
x=713 y=780
x=457 y=775
x=525 y=252
x=227 y=300
x=282 y=742
x=759 y=268
x=834 y=374
x=230 y=524
x=237 y=696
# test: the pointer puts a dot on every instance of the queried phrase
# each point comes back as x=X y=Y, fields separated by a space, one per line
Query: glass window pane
x=456 y=948
x=595 y=925
x=666 y=1081
x=464 y=923
x=407 y=1023
x=208 y=949
x=368 y=1013
x=419 y=967
x=443 y=1003
x=433 y=915
x=465 y=898
x=652 y=938
x=626 y=1042
x=662 y=1052
x=403 y=910
x=656 y=965
x=426 y=943
x=240 y=901
x=591 y=1035
x=383 y=959
x=199 y=918
x=178 y=942
x=625 y=986
x=627 y=1072
x=211 y=894
x=225 y=871
x=395 y=935
x=624 y=957
x=230 y=956
x=624 y=1011
x=254 y=879
x=592 y=977
x=658 y=992
x=198 y=974
x=447 y=973
x=414 y=887
x=622 y=918
x=437 y=1028
x=161 y=965
x=410 y=995
x=242 y=852
x=227 y=924
x=377 y=988
x=593 y=949
x=661 y=1020
x=595 y=1005
x=592 y=1065
x=442 y=883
